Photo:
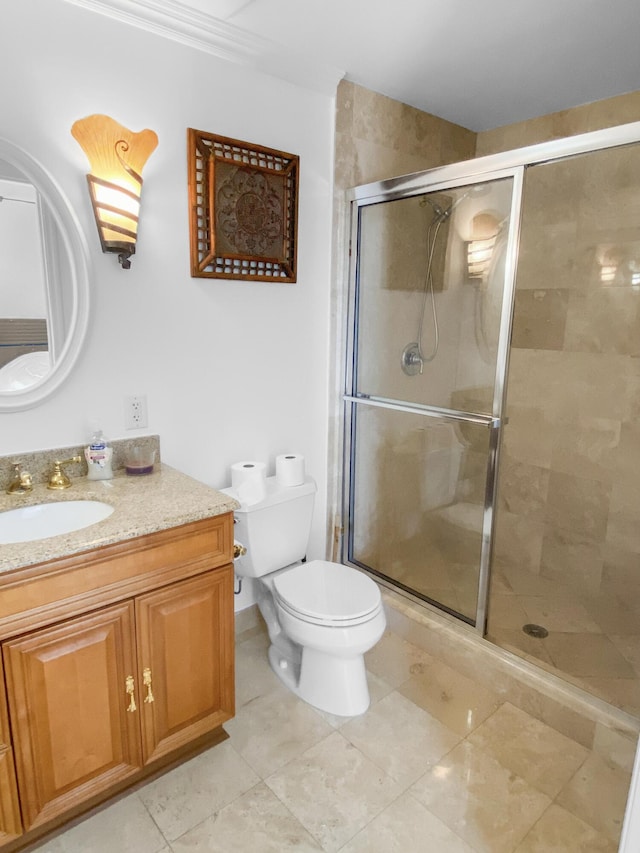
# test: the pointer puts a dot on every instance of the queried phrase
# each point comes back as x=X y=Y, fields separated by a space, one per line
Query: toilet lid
x=329 y=592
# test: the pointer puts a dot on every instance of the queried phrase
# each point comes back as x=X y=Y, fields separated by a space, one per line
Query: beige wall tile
x=604 y=320
x=540 y=317
x=585 y=447
x=579 y=505
x=571 y=559
x=600 y=114
x=523 y=488
x=518 y=541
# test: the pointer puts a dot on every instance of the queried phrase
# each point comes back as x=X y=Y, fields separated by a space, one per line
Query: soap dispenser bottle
x=98 y=455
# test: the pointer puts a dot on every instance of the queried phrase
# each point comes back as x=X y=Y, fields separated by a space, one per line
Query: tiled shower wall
x=569 y=482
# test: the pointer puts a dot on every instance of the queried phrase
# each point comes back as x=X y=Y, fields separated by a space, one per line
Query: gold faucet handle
x=22 y=481
x=58 y=479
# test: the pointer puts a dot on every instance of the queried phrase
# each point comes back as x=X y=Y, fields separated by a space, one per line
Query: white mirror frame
x=73 y=242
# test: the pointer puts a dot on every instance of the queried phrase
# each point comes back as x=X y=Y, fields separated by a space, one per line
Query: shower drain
x=535 y=631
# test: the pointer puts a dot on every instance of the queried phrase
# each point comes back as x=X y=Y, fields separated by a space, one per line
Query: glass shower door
x=430 y=315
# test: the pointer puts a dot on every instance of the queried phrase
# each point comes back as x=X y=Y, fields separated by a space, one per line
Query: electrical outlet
x=135 y=412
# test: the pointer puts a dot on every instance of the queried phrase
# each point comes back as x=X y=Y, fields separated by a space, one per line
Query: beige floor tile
x=622 y=692
x=400 y=738
x=333 y=790
x=558 y=831
x=191 y=792
x=253 y=677
x=539 y=754
x=395 y=660
x=598 y=794
x=406 y=827
x=480 y=800
x=525 y=582
x=256 y=821
x=506 y=611
x=629 y=646
x=559 y=614
x=455 y=700
x=273 y=729
x=521 y=644
x=612 y=615
x=126 y=825
x=615 y=747
x=591 y=655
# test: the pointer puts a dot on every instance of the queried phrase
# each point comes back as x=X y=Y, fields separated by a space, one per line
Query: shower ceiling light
x=116 y=157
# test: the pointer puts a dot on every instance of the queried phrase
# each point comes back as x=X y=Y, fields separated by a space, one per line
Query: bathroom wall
x=231 y=370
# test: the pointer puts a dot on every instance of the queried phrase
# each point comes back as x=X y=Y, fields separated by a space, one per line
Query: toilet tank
x=274 y=531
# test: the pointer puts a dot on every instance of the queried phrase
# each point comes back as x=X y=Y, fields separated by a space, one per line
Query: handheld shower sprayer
x=413 y=359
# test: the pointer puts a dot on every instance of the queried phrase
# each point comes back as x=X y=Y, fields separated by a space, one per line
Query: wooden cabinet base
x=13 y=844
x=116 y=663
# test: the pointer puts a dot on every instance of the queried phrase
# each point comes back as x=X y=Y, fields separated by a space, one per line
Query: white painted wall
x=231 y=370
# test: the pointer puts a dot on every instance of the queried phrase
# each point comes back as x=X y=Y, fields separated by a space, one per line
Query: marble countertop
x=166 y=498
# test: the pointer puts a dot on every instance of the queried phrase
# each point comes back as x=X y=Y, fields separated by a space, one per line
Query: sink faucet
x=21 y=481
x=58 y=479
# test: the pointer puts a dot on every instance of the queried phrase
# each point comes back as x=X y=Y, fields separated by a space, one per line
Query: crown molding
x=178 y=22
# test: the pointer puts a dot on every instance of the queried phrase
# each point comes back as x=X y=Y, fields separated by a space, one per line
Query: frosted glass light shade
x=116 y=156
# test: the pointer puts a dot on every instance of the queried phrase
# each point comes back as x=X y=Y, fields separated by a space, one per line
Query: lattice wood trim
x=243 y=209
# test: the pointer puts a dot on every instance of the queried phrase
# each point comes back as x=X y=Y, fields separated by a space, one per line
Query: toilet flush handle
x=238 y=550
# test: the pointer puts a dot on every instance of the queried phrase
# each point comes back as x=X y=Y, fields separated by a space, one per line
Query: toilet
x=321 y=617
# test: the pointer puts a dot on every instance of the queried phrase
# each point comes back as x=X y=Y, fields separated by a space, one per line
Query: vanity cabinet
x=99 y=699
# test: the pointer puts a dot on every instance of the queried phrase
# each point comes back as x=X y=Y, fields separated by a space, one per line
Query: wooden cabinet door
x=73 y=736
x=10 y=822
x=186 y=648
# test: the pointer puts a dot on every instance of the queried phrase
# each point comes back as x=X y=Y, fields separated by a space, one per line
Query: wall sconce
x=484 y=228
x=116 y=157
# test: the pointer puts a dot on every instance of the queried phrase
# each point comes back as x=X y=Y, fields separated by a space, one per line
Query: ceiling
x=479 y=64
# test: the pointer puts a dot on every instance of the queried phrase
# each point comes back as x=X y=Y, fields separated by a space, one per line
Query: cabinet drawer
x=50 y=592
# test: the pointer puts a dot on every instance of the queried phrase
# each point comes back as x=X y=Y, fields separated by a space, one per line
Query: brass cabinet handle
x=130 y=687
x=146 y=679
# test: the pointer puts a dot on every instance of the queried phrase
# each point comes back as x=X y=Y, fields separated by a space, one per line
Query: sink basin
x=28 y=523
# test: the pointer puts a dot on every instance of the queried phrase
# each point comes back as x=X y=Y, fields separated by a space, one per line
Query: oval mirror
x=44 y=282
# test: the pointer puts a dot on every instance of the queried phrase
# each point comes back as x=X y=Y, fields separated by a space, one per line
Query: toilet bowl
x=335 y=614
x=321 y=616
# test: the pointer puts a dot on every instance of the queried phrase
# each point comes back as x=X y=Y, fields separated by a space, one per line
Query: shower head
x=474 y=191
x=437 y=210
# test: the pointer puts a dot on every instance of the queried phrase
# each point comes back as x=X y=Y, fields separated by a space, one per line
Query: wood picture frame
x=243 y=209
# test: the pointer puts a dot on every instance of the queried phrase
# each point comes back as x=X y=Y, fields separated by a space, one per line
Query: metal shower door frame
x=506 y=164
x=493 y=422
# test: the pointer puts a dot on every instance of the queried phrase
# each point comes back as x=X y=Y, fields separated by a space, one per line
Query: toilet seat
x=325 y=593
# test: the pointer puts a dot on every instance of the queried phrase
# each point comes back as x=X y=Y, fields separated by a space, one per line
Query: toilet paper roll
x=290 y=469
x=249 y=479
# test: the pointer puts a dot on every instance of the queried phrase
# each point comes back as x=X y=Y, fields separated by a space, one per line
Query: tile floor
x=594 y=637
x=439 y=763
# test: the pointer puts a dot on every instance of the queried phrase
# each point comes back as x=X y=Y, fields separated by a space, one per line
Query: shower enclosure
x=492 y=400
